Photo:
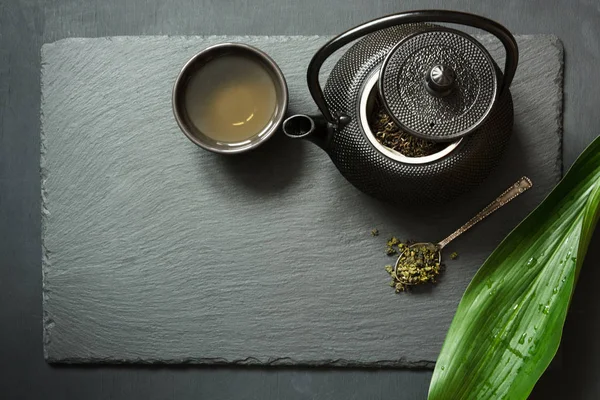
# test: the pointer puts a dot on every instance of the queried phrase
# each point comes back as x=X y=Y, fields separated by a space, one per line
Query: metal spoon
x=513 y=191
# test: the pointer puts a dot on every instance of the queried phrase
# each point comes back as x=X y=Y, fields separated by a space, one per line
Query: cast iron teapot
x=435 y=83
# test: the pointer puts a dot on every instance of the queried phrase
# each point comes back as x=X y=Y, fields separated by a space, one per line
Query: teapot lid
x=439 y=84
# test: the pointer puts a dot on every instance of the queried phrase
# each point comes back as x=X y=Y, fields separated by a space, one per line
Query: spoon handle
x=513 y=191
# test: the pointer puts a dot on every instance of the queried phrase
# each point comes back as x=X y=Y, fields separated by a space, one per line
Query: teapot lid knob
x=439 y=84
x=440 y=80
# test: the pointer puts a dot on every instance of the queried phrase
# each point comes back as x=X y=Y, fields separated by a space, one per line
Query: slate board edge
x=250 y=361
x=48 y=322
x=556 y=42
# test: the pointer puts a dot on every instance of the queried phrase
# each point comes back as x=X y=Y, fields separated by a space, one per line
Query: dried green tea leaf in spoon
x=415 y=266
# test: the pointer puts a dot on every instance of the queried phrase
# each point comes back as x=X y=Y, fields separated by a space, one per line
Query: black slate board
x=144 y=233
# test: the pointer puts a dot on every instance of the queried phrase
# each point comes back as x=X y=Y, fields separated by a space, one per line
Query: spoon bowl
x=429 y=246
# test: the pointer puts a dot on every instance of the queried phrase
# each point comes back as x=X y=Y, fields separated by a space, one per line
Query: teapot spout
x=314 y=129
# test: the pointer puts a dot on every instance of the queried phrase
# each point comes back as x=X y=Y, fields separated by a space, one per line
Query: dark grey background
x=26 y=24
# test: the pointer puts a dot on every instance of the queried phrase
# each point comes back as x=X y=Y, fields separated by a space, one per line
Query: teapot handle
x=453 y=17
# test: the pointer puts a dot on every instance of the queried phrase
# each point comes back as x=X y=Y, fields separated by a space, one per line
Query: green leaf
x=508 y=325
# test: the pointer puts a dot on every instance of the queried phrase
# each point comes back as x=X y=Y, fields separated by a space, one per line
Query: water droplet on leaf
x=546 y=309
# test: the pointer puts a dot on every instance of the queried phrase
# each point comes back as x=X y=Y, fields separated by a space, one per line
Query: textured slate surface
x=156 y=251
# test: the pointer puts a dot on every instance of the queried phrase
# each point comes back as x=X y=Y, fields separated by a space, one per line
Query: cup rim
x=207 y=55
